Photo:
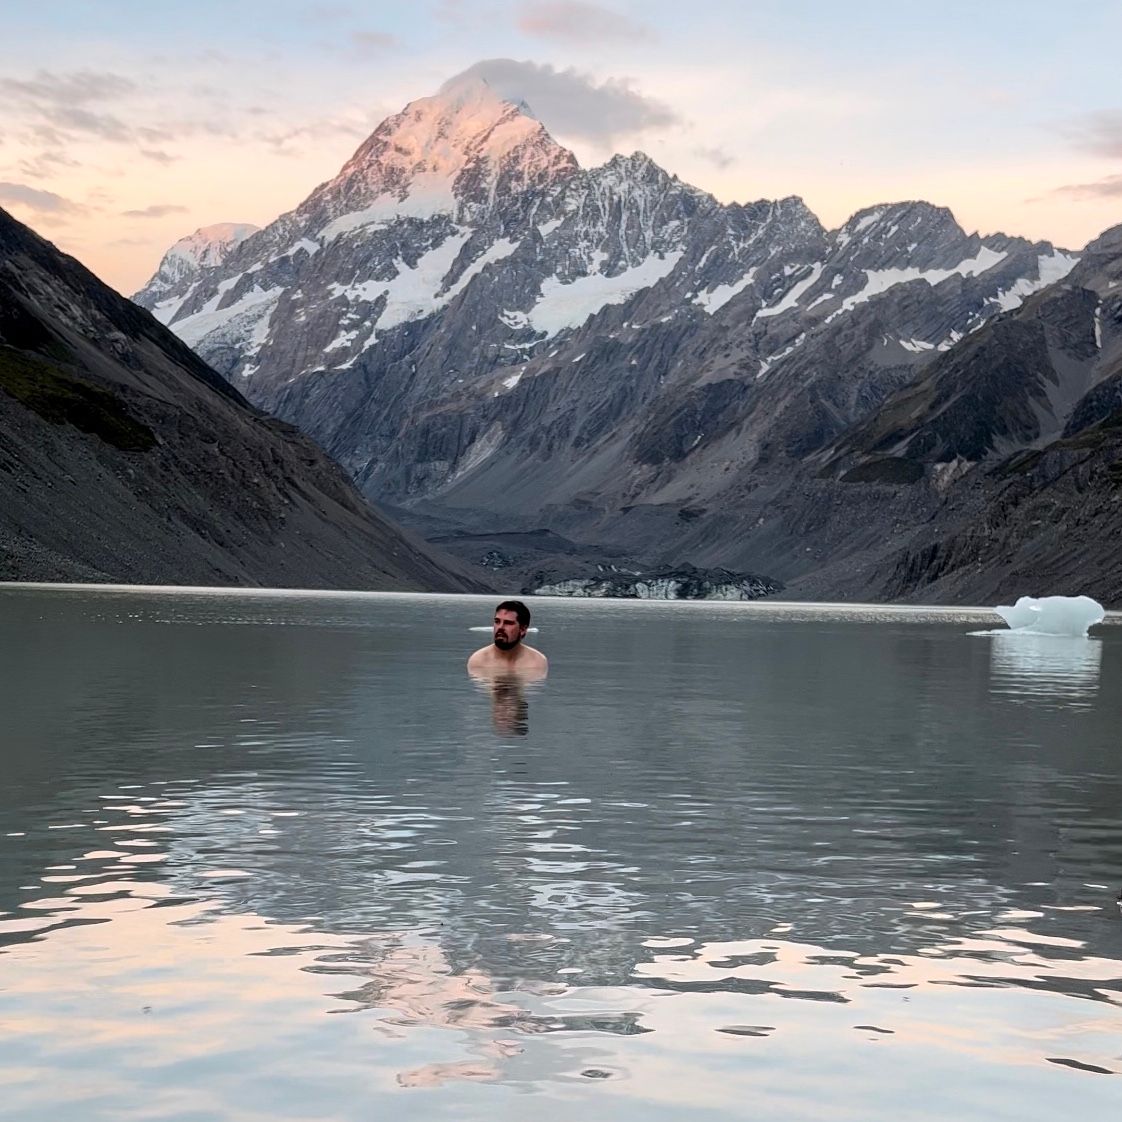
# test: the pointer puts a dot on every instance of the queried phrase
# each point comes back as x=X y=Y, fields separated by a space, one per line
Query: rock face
x=1014 y=444
x=489 y=337
x=467 y=319
x=123 y=457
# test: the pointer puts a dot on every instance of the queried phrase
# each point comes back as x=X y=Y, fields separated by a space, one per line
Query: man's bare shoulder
x=529 y=663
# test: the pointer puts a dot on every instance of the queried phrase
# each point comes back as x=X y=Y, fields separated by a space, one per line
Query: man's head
x=512 y=618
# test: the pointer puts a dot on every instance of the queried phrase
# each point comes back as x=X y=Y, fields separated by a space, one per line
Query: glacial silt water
x=276 y=857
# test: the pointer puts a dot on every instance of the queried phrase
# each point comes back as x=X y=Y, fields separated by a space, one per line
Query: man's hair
x=518 y=608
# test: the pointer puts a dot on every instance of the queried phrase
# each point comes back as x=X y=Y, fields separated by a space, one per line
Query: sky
x=125 y=124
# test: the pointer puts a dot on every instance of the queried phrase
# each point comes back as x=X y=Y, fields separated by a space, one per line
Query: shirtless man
x=507 y=654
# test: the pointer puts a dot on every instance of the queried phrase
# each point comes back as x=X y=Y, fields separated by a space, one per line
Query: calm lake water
x=274 y=857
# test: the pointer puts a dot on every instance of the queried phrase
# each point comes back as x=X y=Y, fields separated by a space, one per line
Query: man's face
x=507 y=630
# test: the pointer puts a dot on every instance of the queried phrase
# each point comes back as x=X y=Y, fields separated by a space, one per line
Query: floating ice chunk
x=1053 y=615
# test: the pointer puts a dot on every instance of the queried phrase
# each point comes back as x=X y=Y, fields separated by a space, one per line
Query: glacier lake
x=273 y=856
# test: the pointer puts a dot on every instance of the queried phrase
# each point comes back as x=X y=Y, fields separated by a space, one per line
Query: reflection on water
x=510 y=711
x=1045 y=666
x=297 y=866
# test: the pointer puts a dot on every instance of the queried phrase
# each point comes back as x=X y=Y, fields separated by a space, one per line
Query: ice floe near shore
x=1070 y=616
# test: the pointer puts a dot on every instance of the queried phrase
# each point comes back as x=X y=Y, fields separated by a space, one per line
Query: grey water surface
x=275 y=857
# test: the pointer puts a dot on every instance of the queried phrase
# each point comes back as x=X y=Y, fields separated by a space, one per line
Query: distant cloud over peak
x=1099 y=133
x=1110 y=187
x=575 y=21
x=76 y=88
x=157 y=210
x=43 y=202
x=571 y=103
x=718 y=157
x=368 y=43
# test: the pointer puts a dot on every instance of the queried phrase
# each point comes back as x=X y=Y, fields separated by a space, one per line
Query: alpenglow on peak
x=456 y=153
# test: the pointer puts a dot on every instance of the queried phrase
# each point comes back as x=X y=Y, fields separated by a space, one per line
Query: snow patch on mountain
x=426 y=199
x=246 y=319
x=504 y=247
x=881 y=280
x=413 y=292
x=561 y=305
x=916 y=346
x=854 y=227
x=716 y=298
x=771 y=360
x=304 y=245
x=791 y=298
x=1051 y=268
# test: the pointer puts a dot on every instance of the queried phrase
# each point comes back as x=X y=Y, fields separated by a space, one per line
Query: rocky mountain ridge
x=486 y=335
x=123 y=457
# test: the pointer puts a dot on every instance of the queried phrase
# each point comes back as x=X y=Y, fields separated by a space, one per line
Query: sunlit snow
x=412 y=293
x=718 y=297
x=504 y=247
x=568 y=305
x=881 y=280
x=1052 y=268
x=255 y=307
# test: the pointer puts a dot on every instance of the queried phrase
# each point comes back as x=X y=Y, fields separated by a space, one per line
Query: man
x=507 y=654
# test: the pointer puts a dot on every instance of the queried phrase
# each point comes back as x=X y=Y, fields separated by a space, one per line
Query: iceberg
x=1069 y=616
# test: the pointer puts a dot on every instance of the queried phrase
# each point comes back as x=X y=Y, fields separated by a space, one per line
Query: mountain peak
x=453 y=153
x=207 y=247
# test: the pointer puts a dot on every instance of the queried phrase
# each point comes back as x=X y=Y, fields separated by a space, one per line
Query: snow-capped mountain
x=470 y=322
x=182 y=265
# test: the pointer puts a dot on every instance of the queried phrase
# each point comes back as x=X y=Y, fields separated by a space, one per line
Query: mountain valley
x=492 y=341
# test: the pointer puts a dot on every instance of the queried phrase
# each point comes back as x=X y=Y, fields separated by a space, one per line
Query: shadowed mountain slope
x=124 y=457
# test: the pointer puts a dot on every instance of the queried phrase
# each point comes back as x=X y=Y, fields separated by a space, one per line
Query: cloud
x=285 y=142
x=1108 y=188
x=158 y=156
x=157 y=210
x=76 y=88
x=1098 y=133
x=46 y=164
x=326 y=12
x=76 y=119
x=43 y=202
x=367 y=43
x=57 y=109
x=716 y=156
x=571 y=103
x=574 y=21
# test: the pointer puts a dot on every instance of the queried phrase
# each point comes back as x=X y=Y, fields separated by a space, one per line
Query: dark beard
x=508 y=644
